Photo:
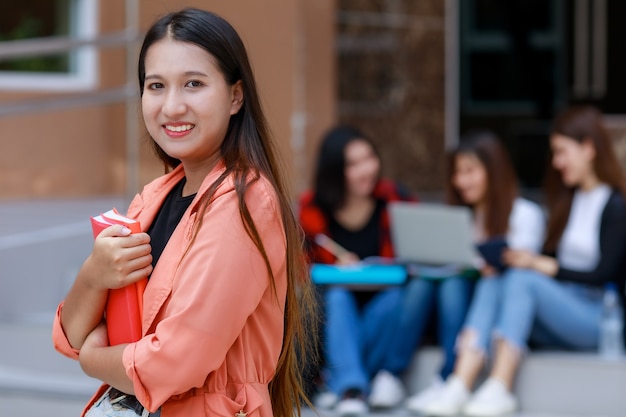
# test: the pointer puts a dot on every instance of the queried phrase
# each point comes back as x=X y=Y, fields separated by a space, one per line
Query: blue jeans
x=357 y=341
x=561 y=313
x=484 y=311
x=450 y=297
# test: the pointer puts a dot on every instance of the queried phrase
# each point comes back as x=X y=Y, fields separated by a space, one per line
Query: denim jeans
x=106 y=407
x=533 y=304
x=450 y=297
x=357 y=341
x=484 y=311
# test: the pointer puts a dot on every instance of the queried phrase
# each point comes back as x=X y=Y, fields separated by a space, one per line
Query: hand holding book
x=124 y=305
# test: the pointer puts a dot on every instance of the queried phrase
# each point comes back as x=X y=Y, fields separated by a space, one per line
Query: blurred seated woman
x=348 y=204
x=481 y=177
x=555 y=297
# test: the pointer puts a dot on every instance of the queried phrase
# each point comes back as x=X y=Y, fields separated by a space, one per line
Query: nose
x=174 y=103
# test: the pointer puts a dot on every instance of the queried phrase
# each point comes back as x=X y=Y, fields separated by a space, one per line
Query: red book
x=124 y=305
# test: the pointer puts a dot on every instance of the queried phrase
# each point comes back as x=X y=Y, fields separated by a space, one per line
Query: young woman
x=227 y=279
x=481 y=177
x=554 y=297
x=349 y=205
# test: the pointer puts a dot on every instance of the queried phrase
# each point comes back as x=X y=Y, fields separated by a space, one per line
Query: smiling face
x=186 y=102
x=572 y=159
x=362 y=168
x=470 y=178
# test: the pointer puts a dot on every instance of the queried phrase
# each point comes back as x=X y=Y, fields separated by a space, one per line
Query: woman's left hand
x=525 y=259
x=518 y=258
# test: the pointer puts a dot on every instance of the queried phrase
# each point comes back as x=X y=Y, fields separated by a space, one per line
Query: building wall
x=391 y=70
x=81 y=152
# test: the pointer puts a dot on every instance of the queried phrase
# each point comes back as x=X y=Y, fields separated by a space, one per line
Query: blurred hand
x=518 y=258
x=119 y=258
x=525 y=259
x=488 y=271
x=347 y=258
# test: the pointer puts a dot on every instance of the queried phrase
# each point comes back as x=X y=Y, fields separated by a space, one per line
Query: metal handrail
x=44 y=46
x=64 y=101
x=126 y=93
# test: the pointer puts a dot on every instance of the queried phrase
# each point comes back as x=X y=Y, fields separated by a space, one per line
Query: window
x=511 y=55
x=33 y=20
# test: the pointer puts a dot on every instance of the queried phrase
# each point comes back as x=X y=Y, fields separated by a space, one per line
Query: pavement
x=42 y=245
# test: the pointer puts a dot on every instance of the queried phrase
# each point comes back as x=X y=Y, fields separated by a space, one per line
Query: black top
x=612 y=264
x=363 y=242
x=167 y=219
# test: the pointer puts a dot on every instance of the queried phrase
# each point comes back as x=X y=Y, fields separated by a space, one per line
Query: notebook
x=359 y=274
x=491 y=251
x=431 y=234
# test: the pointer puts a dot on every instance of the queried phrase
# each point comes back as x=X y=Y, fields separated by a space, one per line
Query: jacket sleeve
x=612 y=247
x=59 y=339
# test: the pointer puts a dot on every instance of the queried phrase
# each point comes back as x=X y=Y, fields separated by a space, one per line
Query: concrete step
x=559 y=383
x=30 y=365
x=34 y=377
x=404 y=413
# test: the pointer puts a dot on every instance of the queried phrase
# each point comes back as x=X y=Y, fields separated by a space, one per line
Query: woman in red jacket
x=349 y=205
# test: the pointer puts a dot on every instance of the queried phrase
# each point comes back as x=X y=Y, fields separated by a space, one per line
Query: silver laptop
x=432 y=234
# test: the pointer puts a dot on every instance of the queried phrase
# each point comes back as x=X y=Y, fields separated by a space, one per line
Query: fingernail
x=126 y=230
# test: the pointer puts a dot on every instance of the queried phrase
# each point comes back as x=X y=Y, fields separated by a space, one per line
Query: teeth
x=181 y=128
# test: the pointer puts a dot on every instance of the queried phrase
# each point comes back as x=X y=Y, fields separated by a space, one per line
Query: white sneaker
x=326 y=400
x=417 y=402
x=450 y=400
x=387 y=391
x=351 y=407
x=490 y=400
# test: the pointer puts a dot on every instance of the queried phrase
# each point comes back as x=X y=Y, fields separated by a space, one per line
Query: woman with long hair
x=348 y=204
x=228 y=285
x=481 y=177
x=554 y=298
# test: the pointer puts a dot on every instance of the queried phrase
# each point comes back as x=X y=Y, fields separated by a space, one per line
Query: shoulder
x=306 y=198
x=311 y=217
x=526 y=209
x=615 y=207
x=616 y=200
x=262 y=193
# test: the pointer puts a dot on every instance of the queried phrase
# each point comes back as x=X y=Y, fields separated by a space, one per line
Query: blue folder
x=359 y=274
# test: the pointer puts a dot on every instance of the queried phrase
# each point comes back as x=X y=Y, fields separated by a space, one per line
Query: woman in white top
x=554 y=297
x=481 y=177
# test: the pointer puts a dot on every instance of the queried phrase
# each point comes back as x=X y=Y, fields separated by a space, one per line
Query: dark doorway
x=521 y=61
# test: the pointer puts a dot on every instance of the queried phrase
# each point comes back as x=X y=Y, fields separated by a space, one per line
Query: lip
x=178 y=129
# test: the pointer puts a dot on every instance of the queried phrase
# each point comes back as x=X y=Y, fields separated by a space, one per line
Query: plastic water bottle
x=611 y=343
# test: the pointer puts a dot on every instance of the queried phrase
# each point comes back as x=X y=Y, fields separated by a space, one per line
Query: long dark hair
x=329 y=181
x=248 y=152
x=502 y=186
x=579 y=123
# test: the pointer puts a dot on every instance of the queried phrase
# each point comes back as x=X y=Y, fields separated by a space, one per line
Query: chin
x=569 y=182
x=469 y=199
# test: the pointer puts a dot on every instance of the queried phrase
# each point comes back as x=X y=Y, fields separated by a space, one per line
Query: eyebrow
x=187 y=73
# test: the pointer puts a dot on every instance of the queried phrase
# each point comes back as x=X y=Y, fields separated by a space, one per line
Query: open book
x=124 y=305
